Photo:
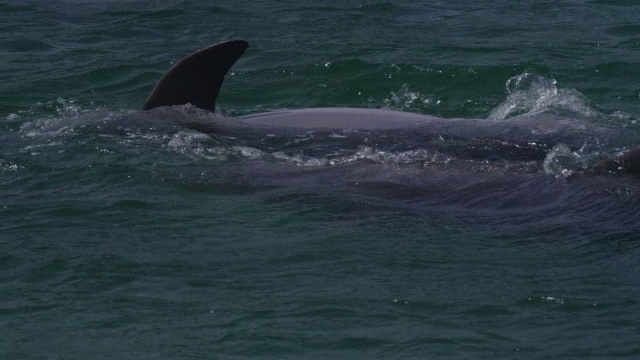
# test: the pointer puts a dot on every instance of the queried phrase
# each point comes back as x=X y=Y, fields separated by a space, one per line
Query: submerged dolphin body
x=197 y=78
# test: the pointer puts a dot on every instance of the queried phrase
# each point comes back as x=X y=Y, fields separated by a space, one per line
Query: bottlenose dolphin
x=197 y=78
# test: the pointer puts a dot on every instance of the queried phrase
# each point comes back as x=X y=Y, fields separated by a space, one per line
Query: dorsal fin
x=197 y=78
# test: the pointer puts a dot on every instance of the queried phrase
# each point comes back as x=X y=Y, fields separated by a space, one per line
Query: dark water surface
x=126 y=235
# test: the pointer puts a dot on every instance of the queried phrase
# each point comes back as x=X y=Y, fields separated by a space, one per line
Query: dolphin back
x=197 y=78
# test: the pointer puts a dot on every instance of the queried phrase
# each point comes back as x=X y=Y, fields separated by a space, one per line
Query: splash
x=58 y=107
x=197 y=145
x=562 y=162
x=193 y=143
x=8 y=166
x=12 y=117
x=407 y=100
x=366 y=153
x=530 y=93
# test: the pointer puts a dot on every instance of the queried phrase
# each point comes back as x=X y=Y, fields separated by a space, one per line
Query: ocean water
x=124 y=234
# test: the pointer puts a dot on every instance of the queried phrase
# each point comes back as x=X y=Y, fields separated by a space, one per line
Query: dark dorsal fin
x=197 y=78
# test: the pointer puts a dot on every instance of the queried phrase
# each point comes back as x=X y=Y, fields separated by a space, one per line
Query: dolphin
x=197 y=78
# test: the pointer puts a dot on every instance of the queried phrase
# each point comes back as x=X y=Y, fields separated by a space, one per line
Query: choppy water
x=124 y=234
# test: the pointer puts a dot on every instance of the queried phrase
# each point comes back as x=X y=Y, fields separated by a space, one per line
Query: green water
x=176 y=244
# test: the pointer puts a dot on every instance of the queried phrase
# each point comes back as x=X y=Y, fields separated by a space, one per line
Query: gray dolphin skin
x=197 y=78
